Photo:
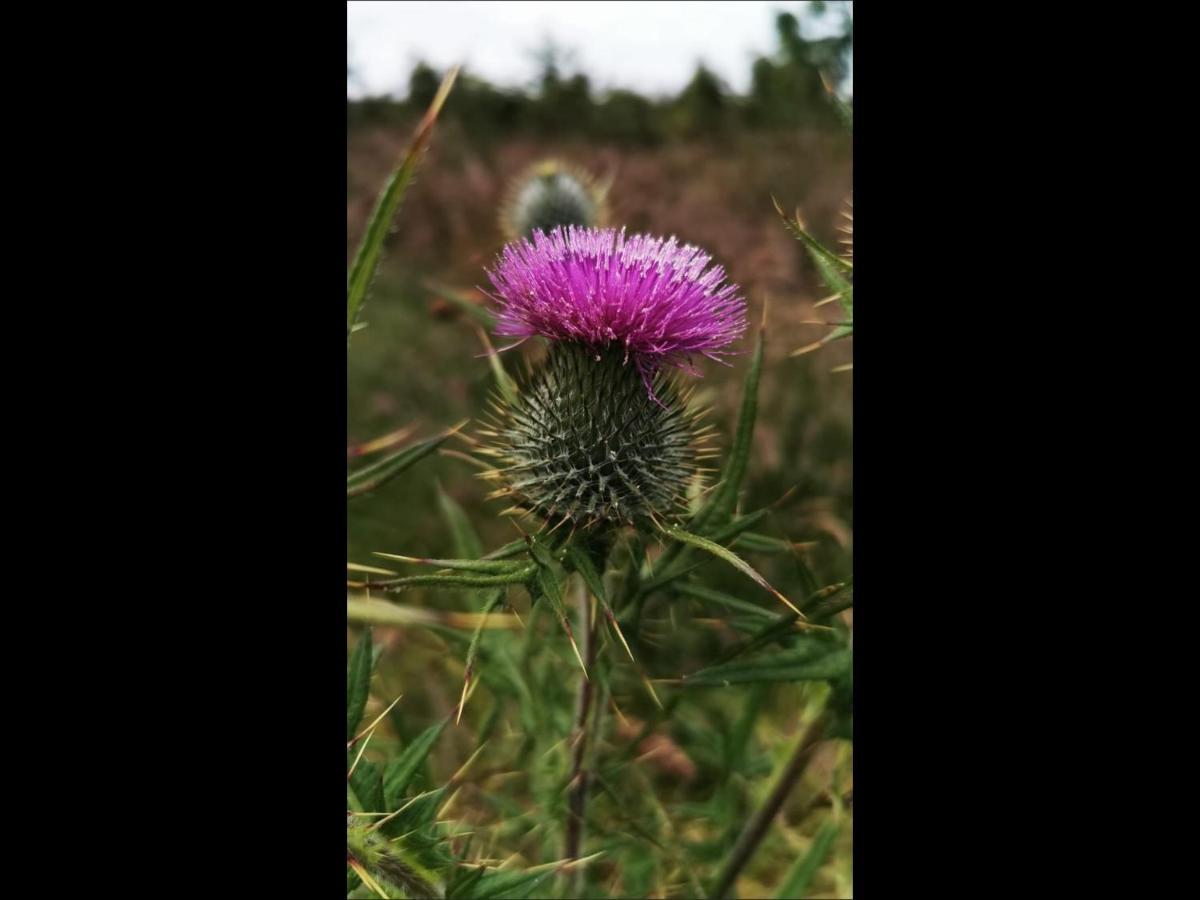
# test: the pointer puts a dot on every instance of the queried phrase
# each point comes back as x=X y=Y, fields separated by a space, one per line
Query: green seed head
x=586 y=443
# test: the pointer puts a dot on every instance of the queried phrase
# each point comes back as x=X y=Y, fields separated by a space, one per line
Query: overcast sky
x=651 y=47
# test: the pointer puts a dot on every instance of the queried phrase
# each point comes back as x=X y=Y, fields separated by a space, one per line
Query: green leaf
x=516 y=576
x=549 y=585
x=841 y=265
x=365 y=480
x=583 y=564
x=463 y=882
x=368 y=784
x=702 y=592
x=674 y=563
x=833 y=603
x=834 y=271
x=509 y=883
x=737 y=526
x=779 y=629
x=400 y=771
x=728 y=556
x=494 y=600
x=797 y=882
x=466 y=541
x=723 y=500
x=358 y=683
x=812 y=659
x=513 y=548
x=763 y=543
x=419 y=813
x=479 y=566
x=367 y=259
x=581 y=559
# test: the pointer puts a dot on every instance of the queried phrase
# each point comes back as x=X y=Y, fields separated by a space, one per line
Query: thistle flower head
x=548 y=194
x=656 y=300
x=584 y=443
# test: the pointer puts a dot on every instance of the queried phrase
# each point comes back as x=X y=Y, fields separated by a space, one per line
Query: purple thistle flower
x=597 y=288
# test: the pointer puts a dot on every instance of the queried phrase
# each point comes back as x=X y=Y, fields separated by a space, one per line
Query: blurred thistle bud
x=550 y=194
x=598 y=433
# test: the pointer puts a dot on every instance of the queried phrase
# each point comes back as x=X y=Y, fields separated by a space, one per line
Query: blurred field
x=418 y=364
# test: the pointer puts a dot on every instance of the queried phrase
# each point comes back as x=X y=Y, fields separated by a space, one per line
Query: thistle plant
x=837 y=273
x=597 y=434
x=627 y=545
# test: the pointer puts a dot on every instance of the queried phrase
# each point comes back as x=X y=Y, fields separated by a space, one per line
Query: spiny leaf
x=418 y=813
x=513 y=548
x=512 y=883
x=481 y=566
x=358 y=682
x=370 y=570
x=493 y=601
x=400 y=771
x=674 y=563
x=691 y=589
x=721 y=503
x=812 y=659
x=515 y=576
x=367 y=259
x=368 y=785
x=730 y=557
x=785 y=626
x=777 y=629
x=550 y=587
x=834 y=270
x=800 y=877
x=583 y=564
x=738 y=526
x=368 y=479
x=764 y=543
x=380 y=443
x=845 y=266
x=381 y=612
x=832 y=603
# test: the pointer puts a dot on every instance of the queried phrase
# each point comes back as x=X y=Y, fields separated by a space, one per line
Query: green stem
x=760 y=823
x=577 y=800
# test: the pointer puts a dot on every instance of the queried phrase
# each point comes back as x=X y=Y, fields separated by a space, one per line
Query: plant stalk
x=578 y=785
x=758 y=826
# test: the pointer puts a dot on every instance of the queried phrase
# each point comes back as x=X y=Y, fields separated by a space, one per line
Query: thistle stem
x=756 y=829
x=578 y=785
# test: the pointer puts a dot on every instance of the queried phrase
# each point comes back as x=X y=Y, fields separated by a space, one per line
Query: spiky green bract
x=585 y=444
x=548 y=194
x=390 y=864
